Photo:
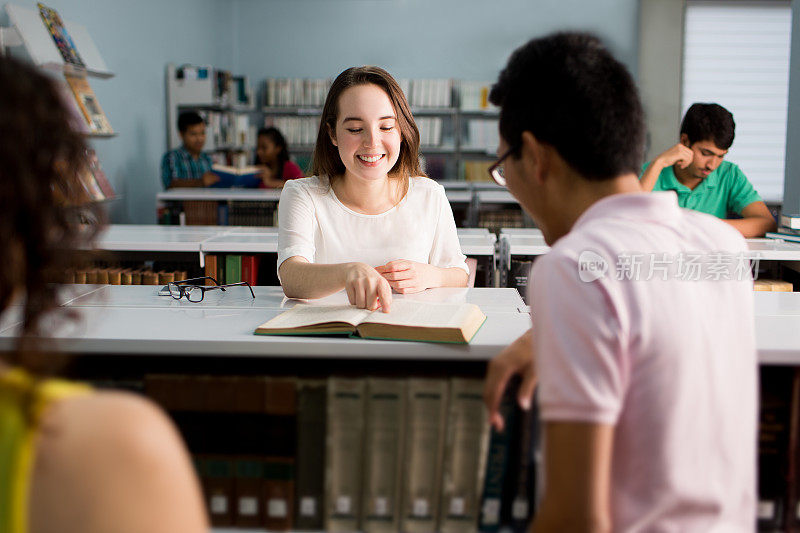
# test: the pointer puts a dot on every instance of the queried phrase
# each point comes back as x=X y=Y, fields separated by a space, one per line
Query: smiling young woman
x=369 y=220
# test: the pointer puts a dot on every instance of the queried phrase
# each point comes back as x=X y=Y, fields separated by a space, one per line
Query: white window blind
x=736 y=54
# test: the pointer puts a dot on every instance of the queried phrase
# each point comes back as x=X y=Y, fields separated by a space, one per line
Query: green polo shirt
x=726 y=190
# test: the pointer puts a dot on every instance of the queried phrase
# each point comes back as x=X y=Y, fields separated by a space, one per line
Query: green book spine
x=233 y=268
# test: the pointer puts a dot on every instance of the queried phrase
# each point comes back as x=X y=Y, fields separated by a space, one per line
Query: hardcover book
x=790 y=221
x=236 y=177
x=383 y=453
x=424 y=442
x=344 y=451
x=88 y=104
x=407 y=320
x=466 y=449
x=310 y=472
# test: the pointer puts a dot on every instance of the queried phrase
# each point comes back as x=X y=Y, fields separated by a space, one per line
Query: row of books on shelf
x=346 y=454
x=295 y=92
x=232 y=268
x=227 y=129
x=225 y=268
x=222 y=213
x=430 y=131
x=123 y=276
x=420 y=93
x=482 y=134
x=298 y=131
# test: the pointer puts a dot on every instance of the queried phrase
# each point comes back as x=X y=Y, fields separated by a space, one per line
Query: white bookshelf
x=193 y=87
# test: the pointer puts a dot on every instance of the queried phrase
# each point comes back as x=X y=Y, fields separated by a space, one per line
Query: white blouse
x=314 y=224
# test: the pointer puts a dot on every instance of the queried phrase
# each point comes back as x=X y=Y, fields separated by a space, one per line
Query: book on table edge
x=783 y=234
x=407 y=321
x=790 y=221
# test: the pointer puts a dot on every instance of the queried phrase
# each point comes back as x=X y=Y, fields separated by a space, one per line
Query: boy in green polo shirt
x=695 y=170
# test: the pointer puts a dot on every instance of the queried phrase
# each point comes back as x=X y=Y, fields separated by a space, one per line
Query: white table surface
x=241 y=243
x=120 y=237
x=459 y=196
x=773 y=250
x=502 y=196
x=235 y=239
x=199 y=193
x=531 y=232
x=530 y=241
x=208 y=330
x=525 y=244
x=490 y=300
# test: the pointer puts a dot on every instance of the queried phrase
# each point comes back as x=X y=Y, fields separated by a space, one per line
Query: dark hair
x=189 y=118
x=326 y=160
x=42 y=161
x=709 y=122
x=569 y=92
x=277 y=138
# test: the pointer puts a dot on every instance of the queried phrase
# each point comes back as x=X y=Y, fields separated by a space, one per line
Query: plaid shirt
x=179 y=164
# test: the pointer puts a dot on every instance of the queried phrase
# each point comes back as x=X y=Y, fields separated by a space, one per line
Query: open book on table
x=407 y=321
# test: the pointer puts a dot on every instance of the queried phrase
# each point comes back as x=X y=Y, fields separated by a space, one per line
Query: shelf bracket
x=9 y=37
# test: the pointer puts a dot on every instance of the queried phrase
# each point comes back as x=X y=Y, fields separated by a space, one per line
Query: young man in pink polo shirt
x=643 y=337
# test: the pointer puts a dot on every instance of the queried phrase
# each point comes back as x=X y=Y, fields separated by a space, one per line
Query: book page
x=307 y=315
x=422 y=314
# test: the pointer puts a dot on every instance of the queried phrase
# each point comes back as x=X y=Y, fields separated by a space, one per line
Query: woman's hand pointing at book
x=366 y=288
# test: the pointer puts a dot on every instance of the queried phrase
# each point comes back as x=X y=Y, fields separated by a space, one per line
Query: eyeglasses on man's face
x=195 y=293
x=497 y=171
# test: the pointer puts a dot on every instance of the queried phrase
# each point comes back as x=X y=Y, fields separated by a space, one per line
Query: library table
x=136 y=238
x=210 y=194
x=207 y=330
x=490 y=300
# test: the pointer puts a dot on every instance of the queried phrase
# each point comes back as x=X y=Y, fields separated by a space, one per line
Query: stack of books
x=789 y=229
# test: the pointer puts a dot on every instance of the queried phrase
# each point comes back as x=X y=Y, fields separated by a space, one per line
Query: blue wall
x=137 y=40
x=466 y=39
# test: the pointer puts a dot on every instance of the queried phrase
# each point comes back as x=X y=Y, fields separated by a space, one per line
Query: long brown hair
x=42 y=160
x=326 y=160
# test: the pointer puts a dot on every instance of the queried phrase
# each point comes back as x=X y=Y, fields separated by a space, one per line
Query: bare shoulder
x=124 y=464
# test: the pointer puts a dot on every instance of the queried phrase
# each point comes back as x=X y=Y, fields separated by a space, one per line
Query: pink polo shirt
x=666 y=355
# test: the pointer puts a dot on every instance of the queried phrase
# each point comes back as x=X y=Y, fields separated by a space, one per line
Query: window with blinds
x=737 y=55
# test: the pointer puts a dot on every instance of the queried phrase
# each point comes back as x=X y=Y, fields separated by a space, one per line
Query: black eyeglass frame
x=496 y=170
x=185 y=290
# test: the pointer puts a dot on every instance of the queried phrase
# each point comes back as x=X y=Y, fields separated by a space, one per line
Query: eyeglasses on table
x=195 y=293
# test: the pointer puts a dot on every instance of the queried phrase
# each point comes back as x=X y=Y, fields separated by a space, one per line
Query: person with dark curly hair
x=71 y=459
x=646 y=374
x=695 y=169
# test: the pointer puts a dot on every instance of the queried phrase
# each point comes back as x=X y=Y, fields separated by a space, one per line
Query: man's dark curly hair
x=42 y=159
x=569 y=92
x=709 y=122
